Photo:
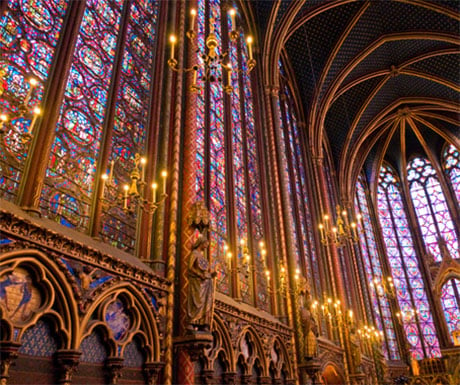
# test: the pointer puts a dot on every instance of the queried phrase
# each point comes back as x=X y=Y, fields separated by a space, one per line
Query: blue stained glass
x=29 y=34
x=131 y=119
x=72 y=172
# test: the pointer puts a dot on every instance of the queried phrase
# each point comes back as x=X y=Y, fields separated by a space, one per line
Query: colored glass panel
x=450 y=300
x=408 y=281
x=380 y=304
x=451 y=158
x=431 y=208
x=253 y=181
x=69 y=182
x=29 y=33
x=131 y=119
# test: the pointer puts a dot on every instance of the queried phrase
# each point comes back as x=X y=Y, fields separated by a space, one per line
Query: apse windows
x=415 y=313
x=431 y=209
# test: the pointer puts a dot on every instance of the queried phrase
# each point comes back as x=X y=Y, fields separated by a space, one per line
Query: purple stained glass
x=380 y=303
x=431 y=208
x=408 y=281
x=450 y=299
x=451 y=158
x=29 y=34
x=131 y=119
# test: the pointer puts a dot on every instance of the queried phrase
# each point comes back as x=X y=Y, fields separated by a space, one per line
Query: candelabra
x=370 y=333
x=282 y=287
x=21 y=111
x=384 y=286
x=134 y=193
x=341 y=231
x=210 y=61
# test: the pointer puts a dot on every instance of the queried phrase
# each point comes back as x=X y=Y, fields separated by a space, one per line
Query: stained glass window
x=374 y=274
x=430 y=205
x=242 y=173
x=410 y=288
x=450 y=300
x=300 y=217
x=451 y=160
x=29 y=34
x=69 y=179
x=131 y=118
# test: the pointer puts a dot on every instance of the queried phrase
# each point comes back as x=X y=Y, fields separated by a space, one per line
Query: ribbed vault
x=368 y=71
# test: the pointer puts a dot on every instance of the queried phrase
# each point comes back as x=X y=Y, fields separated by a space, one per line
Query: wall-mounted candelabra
x=282 y=286
x=134 y=194
x=331 y=310
x=384 y=286
x=24 y=110
x=209 y=60
x=370 y=333
x=340 y=231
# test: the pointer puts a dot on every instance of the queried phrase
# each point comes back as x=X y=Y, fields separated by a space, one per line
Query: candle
x=37 y=112
x=249 y=41
x=112 y=163
x=326 y=220
x=195 y=75
x=33 y=82
x=143 y=163
x=104 y=177
x=125 y=198
x=192 y=22
x=3 y=119
x=321 y=230
x=232 y=18
x=353 y=229
x=229 y=74
x=164 y=174
x=154 y=192
x=345 y=217
x=172 y=39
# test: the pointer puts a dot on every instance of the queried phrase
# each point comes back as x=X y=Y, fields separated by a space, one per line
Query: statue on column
x=355 y=350
x=201 y=287
x=309 y=326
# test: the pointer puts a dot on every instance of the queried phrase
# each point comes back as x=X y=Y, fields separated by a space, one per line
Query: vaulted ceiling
x=376 y=79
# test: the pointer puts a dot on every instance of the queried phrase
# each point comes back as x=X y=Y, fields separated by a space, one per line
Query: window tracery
x=227 y=158
x=373 y=269
x=405 y=267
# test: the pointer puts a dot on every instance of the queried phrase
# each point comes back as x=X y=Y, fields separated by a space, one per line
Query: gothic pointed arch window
x=374 y=273
x=228 y=159
x=434 y=219
x=437 y=228
x=411 y=292
x=104 y=108
x=296 y=177
x=70 y=175
x=29 y=35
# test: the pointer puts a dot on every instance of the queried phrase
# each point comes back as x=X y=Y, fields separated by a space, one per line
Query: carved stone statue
x=201 y=288
x=355 y=347
x=309 y=326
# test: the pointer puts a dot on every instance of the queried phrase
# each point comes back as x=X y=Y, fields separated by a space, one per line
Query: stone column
x=8 y=353
x=114 y=366
x=67 y=361
x=151 y=372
